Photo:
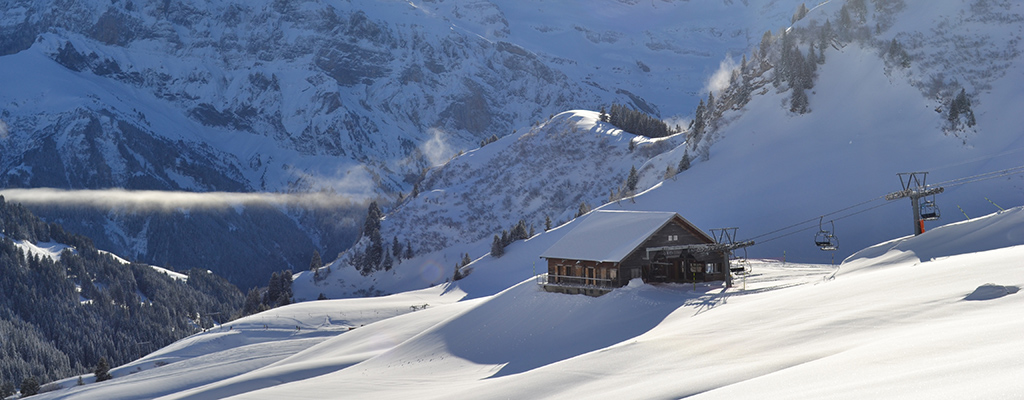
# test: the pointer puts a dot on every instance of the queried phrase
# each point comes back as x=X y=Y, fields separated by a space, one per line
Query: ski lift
x=739 y=264
x=929 y=211
x=826 y=240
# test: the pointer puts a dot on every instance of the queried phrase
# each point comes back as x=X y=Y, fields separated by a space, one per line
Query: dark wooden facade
x=672 y=253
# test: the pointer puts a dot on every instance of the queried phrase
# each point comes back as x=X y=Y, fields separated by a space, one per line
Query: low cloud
x=355 y=183
x=171 y=200
x=4 y=129
x=436 y=150
x=719 y=81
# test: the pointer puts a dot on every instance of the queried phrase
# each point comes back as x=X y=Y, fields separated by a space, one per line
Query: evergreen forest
x=60 y=316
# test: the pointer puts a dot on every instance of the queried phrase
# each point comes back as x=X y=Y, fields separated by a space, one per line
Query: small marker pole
x=993 y=203
x=962 y=211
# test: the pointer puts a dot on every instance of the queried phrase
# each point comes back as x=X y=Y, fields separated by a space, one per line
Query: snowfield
x=932 y=316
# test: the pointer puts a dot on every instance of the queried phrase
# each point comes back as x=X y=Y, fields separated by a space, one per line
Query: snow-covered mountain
x=351 y=97
x=769 y=171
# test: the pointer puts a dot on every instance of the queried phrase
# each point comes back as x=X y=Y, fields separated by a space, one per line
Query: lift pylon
x=915 y=186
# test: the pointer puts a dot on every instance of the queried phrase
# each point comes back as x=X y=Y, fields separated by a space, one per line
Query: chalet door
x=675 y=271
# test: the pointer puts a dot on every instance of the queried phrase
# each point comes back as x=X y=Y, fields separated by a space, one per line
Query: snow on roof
x=608 y=236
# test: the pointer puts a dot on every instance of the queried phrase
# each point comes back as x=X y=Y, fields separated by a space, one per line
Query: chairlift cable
x=834 y=219
x=981 y=158
x=820 y=216
x=981 y=177
x=949 y=183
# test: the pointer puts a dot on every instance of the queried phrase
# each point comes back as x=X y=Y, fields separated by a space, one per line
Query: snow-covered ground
x=931 y=316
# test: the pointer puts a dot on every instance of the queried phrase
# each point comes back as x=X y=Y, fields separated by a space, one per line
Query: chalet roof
x=610 y=236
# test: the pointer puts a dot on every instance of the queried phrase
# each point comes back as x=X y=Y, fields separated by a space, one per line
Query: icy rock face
x=317 y=79
x=85 y=148
x=279 y=90
x=541 y=174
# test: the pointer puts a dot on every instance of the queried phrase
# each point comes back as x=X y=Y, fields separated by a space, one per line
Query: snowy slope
x=879 y=327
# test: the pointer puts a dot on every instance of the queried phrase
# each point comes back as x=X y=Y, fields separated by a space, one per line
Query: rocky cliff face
x=360 y=85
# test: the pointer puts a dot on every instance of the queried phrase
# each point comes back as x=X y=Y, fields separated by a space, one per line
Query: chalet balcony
x=549 y=282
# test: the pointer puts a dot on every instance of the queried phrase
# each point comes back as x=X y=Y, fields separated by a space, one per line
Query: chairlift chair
x=826 y=240
x=929 y=211
x=739 y=264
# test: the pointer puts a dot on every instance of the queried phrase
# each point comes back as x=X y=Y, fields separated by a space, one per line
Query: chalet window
x=635 y=272
x=612 y=273
x=673 y=238
x=711 y=268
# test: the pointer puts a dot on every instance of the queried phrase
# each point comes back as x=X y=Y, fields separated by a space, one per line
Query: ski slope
x=930 y=316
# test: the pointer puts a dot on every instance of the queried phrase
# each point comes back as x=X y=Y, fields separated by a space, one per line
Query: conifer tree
x=388 y=262
x=632 y=180
x=845 y=20
x=373 y=216
x=584 y=208
x=897 y=54
x=961 y=106
x=396 y=248
x=743 y=93
x=766 y=45
x=547 y=223
x=371 y=229
x=408 y=250
x=286 y=287
x=315 y=264
x=519 y=231
x=497 y=248
x=798 y=101
x=102 y=370
x=684 y=163
x=825 y=40
x=252 y=302
x=800 y=13
x=697 y=125
x=6 y=390
x=457 y=275
x=273 y=290
x=29 y=386
x=710 y=107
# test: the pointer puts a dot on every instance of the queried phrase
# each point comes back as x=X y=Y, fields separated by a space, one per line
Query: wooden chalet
x=609 y=248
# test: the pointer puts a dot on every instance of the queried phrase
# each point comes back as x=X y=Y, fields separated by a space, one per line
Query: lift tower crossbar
x=915 y=187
